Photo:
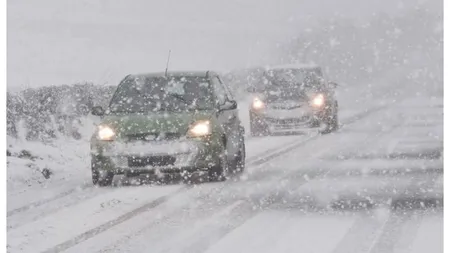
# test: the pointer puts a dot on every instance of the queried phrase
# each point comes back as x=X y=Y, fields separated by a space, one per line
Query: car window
x=144 y=94
x=219 y=90
x=318 y=72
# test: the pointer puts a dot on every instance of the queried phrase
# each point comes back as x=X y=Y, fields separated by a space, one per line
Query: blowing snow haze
x=54 y=42
x=325 y=136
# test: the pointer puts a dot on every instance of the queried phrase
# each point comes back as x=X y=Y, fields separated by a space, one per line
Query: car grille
x=288 y=121
x=165 y=160
x=153 y=136
x=284 y=107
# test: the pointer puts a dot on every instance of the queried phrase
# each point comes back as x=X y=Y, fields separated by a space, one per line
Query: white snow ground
x=333 y=193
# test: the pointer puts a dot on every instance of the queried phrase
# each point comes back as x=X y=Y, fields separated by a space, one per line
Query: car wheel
x=258 y=133
x=256 y=129
x=239 y=161
x=102 y=180
x=101 y=177
x=315 y=123
x=218 y=172
x=332 y=122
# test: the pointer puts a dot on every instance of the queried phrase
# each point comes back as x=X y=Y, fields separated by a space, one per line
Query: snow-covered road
x=374 y=186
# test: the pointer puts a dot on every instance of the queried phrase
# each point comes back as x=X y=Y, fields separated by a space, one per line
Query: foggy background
x=53 y=42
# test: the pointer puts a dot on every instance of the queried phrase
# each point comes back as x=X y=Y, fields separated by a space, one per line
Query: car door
x=329 y=90
x=237 y=131
x=225 y=117
x=325 y=82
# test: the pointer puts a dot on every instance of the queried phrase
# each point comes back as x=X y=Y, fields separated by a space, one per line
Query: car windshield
x=289 y=79
x=147 y=94
x=288 y=83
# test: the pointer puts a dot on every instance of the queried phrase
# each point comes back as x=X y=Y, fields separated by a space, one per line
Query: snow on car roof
x=294 y=66
x=176 y=73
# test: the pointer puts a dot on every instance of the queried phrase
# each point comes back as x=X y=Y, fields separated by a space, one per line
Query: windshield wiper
x=179 y=97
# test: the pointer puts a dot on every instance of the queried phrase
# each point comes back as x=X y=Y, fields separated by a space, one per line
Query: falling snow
x=325 y=123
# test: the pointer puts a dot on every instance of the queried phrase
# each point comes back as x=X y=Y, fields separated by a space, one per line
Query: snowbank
x=33 y=164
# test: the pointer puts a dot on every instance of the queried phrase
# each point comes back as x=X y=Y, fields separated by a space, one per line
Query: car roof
x=294 y=66
x=176 y=74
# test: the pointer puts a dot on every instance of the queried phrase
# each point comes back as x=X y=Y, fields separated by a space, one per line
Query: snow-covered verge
x=59 y=164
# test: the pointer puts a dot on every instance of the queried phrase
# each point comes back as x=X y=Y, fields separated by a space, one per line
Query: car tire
x=100 y=177
x=257 y=133
x=218 y=172
x=332 y=122
x=239 y=161
x=315 y=123
x=256 y=130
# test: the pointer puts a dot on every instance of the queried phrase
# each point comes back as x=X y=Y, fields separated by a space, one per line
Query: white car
x=293 y=98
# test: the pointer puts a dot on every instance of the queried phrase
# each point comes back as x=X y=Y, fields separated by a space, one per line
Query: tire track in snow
x=401 y=217
x=253 y=206
x=383 y=229
x=99 y=229
x=313 y=174
x=242 y=210
x=393 y=232
x=46 y=201
x=201 y=220
x=363 y=232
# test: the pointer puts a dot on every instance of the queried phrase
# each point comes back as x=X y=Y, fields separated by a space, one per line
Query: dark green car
x=172 y=123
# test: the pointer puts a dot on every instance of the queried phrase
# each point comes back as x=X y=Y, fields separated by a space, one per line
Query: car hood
x=161 y=122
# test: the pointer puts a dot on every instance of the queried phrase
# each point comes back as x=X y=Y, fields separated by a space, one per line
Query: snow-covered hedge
x=45 y=110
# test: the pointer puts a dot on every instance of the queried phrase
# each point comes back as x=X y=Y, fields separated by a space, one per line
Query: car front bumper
x=287 y=120
x=155 y=157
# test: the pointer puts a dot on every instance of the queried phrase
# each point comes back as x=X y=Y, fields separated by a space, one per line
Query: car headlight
x=200 y=129
x=105 y=133
x=318 y=100
x=257 y=104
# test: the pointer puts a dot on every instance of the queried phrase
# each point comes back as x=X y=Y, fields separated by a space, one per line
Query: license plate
x=294 y=113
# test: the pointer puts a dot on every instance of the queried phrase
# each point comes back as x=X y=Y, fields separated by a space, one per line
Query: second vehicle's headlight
x=199 y=129
x=257 y=103
x=318 y=100
x=105 y=133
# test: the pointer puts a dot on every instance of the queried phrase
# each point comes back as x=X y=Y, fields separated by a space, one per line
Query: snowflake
x=334 y=42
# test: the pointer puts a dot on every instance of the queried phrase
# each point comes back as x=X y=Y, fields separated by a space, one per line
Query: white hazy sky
x=65 y=41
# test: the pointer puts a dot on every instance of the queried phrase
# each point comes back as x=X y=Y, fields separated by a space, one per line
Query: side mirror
x=333 y=84
x=251 y=89
x=97 y=111
x=229 y=105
